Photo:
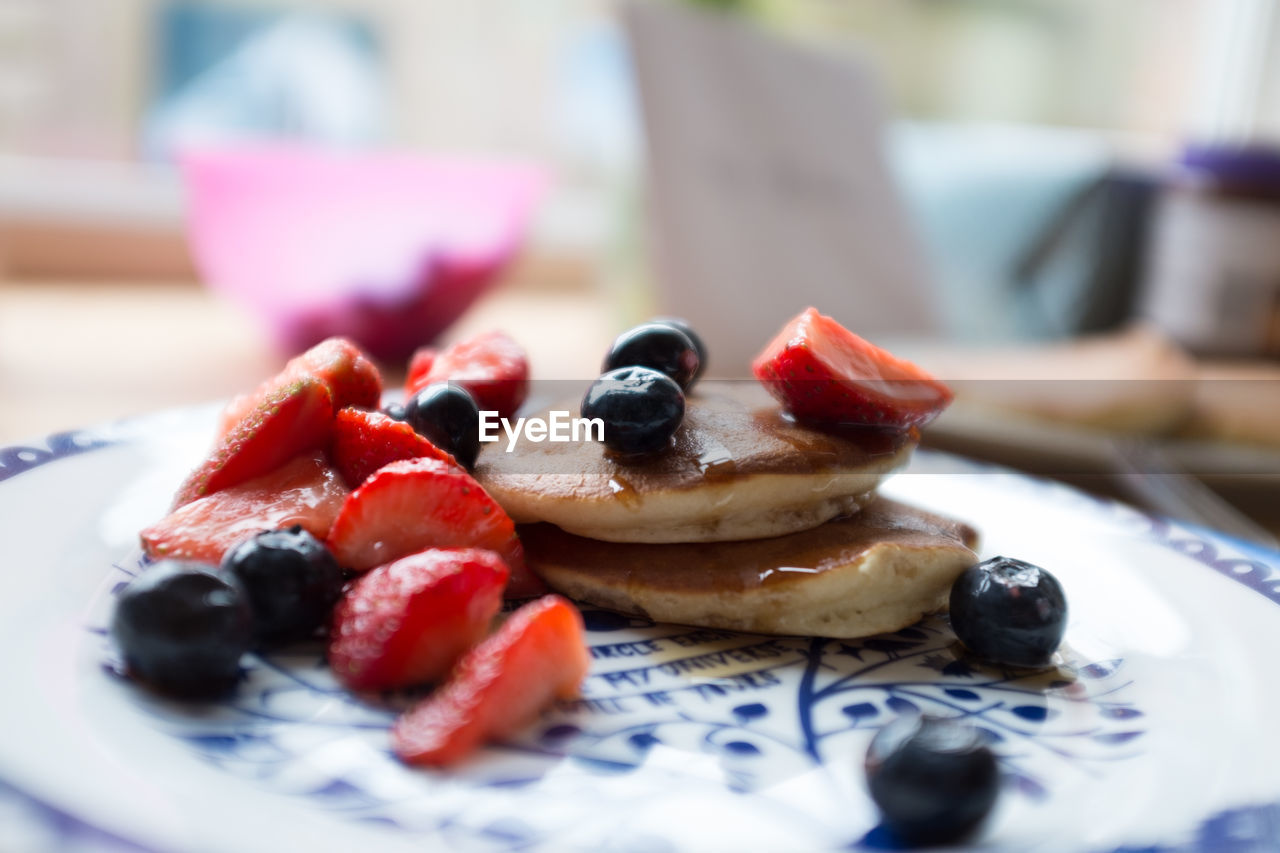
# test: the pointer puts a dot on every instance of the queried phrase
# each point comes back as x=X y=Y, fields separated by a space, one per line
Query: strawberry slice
x=352 y=378
x=303 y=491
x=364 y=441
x=413 y=504
x=419 y=369
x=499 y=687
x=825 y=374
x=491 y=366
x=409 y=621
x=294 y=418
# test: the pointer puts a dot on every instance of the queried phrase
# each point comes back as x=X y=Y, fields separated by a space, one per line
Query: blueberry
x=447 y=415
x=641 y=409
x=182 y=627
x=934 y=779
x=694 y=338
x=395 y=411
x=1009 y=612
x=292 y=580
x=659 y=346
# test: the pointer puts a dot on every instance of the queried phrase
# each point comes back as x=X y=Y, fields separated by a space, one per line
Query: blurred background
x=1071 y=169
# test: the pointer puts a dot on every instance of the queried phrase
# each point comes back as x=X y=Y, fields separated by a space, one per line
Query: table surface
x=73 y=354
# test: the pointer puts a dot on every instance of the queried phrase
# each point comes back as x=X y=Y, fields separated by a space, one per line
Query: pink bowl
x=387 y=249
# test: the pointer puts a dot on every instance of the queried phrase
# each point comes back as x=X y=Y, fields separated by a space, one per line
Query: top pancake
x=737 y=468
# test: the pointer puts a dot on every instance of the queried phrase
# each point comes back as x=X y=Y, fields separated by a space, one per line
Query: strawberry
x=419 y=369
x=303 y=491
x=409 y=621
x=491 y=366
x=290 y=419
x=825 y=374
x=352 y=378
x=364 y=441
x=500 y=686
x=413 y=504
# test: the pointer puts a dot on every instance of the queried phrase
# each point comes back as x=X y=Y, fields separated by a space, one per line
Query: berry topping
x=288 y=420
x=491 y=366
x=824 y=374
x=292 y=581
x=933 y=779
x=500 y=686
x=352 y=378
x=350 y=375
x=447 y=416
x=415 y=504
x=364 y=441
x=640 y=407
x=658 y=346
x=395 y=411
x=182 y=627
x=409 y=621
x=694 y=338
x=1009 y=612
x=420 y=369
x=304 y=491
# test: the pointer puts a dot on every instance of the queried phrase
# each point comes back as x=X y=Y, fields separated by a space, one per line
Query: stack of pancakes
x=747 y=522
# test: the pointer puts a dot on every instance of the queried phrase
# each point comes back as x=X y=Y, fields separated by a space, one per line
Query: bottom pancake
x=879 y=570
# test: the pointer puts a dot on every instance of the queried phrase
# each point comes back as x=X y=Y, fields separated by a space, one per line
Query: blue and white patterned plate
x=1155 y=732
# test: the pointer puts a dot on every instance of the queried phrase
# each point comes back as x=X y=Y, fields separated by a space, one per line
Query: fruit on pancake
x=413 y=504
x=363 y=441
x=448 y=416
x=419 y=369
x=352 y=378
x=304 y=491
x=934 y=779
x=641 y=409
x=292 y=581
x=181 y=628
x=694 y=338
x=500 y=686
x=824 y=374
x=492 y=366
x=658 y=346
x=409 y=621
x=290 y=419
x=1009 y=612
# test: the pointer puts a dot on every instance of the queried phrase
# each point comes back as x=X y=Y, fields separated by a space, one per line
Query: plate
x=1155 y=730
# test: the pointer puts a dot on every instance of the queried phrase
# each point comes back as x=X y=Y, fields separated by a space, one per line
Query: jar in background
x=1213 y=281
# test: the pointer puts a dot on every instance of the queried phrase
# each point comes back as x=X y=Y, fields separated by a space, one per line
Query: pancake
x=737 y=469
x=879 y=570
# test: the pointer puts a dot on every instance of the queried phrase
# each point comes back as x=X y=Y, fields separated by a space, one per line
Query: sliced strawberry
x=499 y=687
x=353 y=378
x=419 y=369
x=413 y=504
x=364 y=441
x=303 y=491
x=291 y=419
x=491 y=366
x=409 y=621
x=823 y=373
